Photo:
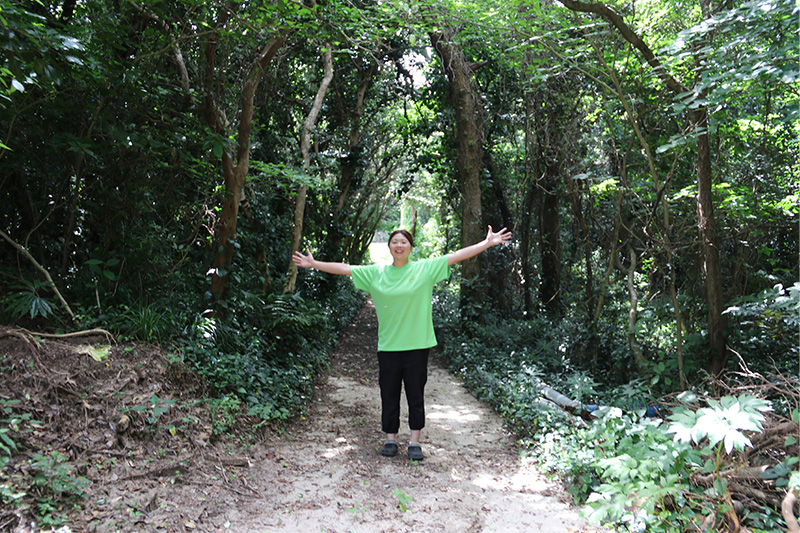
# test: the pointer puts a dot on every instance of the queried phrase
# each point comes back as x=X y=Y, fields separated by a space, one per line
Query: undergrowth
x=646 y=459
x=270 y=356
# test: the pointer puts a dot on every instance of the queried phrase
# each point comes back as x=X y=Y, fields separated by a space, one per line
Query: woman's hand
x=492 y=238
x=308 y=261
x=305 y=261
x=499 y=237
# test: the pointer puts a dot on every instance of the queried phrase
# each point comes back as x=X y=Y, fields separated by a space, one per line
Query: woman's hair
x=405 y=234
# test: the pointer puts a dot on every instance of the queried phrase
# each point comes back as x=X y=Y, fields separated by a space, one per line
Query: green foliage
x=640 y=468
x=224 y=413
x=53 y=475
x=144 y=322
x=721 y=422
x=764 y=325
x=10 y=424
x=632 y=471
x=29 y=300
x=403 y=500
x=154 y=409
x=645 y=465
x=33 y=52
x=54 y=486
x=267 y=358
x=104 y=269
x=46 y=481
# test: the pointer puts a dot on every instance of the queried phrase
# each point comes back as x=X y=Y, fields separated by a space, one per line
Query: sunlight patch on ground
x=525 y=480
x=529 y=479
x=486 y=481
x=332 y=453
x=448 y=412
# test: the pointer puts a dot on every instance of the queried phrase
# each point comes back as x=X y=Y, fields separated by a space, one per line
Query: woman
x=402 y=294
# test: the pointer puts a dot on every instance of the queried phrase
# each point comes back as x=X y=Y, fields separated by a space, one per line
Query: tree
x=234 y=165
x=706 y=221
x=470 y=138
x=305 y=152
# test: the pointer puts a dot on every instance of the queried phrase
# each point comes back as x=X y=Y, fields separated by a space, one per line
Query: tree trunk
x=601 y=291
x=351 y=165
x=576 y=198
x=549 y=233
x=408 y=217
x=661 y=197
x=710 y=247
x=498 y=196
x=498 y=261
x=305 y=151
x=235 y=171
x=525 y=239
x=29 y=216
x=525 y=220
x=469 y=131
x=77 y=188
x=633 y=308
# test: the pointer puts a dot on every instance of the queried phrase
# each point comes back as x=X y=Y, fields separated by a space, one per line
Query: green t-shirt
x=402 y=298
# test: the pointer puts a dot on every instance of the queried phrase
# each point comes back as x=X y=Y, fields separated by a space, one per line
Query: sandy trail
x=325 y=474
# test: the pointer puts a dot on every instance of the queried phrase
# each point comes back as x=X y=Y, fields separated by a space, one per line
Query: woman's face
x=400 y=247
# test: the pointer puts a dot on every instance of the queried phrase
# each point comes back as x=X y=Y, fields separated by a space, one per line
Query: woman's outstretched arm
x=492 y=238
x=308 y=261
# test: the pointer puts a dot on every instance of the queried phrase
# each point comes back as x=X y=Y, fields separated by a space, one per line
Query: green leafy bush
x=45 y=482
x=27 y=298
x=641 y=469
x=54 y=486
x=721 y=423
x=634 y=473
x=269 y=356
x=765 y=326
x=645 y=466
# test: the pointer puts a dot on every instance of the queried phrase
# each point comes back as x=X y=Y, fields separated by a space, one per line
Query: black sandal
x=389 y=449
x=415 y=452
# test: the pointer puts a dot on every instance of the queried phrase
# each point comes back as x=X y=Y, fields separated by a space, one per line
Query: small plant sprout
x=403 y=500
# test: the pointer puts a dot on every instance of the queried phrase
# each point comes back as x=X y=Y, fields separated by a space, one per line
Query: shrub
x=634 y=472
x=270 y=356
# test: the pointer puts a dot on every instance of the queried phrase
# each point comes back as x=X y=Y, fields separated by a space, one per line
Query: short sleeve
x=439 y=268
x=363 y=276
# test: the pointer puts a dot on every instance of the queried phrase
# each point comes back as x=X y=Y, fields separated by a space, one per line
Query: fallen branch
x=568 y=404
x=738 y=488
x=175 y=469
x=752 y=473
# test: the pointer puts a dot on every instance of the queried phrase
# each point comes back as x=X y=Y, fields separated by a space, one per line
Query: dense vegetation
x=161 y=159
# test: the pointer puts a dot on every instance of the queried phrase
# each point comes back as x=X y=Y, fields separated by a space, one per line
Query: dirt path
x=324 y=473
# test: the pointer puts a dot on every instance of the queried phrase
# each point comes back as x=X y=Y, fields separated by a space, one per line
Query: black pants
x=398 y=369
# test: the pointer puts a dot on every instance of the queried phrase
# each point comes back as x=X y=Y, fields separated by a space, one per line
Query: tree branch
x=41 y=269
x=613 y=18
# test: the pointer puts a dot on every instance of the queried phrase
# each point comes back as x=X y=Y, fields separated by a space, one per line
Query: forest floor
x=322 y=473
